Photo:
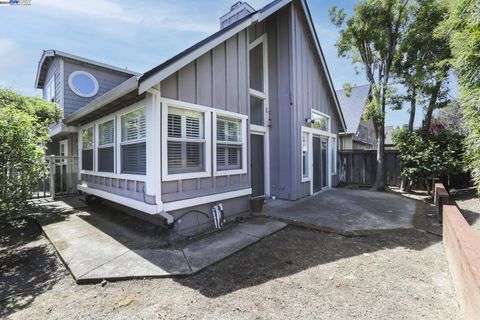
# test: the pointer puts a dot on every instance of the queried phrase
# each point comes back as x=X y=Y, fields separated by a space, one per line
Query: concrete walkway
x=350 y=211
x=95 y=247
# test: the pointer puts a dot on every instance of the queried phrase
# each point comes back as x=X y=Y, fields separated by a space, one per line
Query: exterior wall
x=217 y=79
x=310 y=91
x=107 y=80
x=346 y=142
x=361 y=143
x=54 y=71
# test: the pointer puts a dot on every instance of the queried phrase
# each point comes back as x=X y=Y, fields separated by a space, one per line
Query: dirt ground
x=293 y=274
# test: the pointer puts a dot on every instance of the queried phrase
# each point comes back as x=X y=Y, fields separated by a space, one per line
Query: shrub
x=426 y=154
x=24 y=123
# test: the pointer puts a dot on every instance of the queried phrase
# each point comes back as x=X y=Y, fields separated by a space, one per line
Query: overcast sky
x=135 y=34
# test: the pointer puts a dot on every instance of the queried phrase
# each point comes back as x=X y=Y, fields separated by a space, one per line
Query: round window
x=83 y=84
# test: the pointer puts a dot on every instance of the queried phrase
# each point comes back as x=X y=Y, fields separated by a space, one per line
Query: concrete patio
x=95 y=245
x=350 y=212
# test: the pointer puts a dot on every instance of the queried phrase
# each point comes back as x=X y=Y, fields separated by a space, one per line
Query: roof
x=170 y=66
x=352 y=106
x=48 y=55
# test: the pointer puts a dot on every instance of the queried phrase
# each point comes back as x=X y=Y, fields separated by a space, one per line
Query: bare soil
x=293 y=274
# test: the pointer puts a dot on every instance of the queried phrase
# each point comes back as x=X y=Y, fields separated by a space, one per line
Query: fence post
x=52 y=177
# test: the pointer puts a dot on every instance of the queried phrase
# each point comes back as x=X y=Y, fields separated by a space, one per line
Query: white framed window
x=258 y=81
x=50 y=90
x=87 y=148
x=321 y=121
x=106 y=146
x=305 y=156
x=133 y=152
x=186 y=140
x=83 y=84
x=230 y=149
x=333 y=155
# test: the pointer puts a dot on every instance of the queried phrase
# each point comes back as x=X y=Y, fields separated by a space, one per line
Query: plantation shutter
x=185 y=144
x=106 y=133
x=229 y=147
x=133 y=148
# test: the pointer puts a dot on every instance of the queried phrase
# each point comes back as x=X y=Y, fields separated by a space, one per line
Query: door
x=317 y=165
x=257 y=166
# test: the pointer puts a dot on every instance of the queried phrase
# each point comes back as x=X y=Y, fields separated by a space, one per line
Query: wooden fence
x=359 y=167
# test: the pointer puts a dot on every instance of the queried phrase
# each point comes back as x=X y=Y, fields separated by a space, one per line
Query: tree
x=421 y=67
x=462 y=26
x=24 y=123
x=371 y=38
x=452 y=117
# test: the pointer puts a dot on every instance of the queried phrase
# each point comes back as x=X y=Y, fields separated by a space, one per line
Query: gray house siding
x=311 y=91
x=107 y=80
x=54 y=71
x=217 y=79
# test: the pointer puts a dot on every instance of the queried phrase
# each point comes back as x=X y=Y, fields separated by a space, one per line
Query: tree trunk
x=379 y=184
x=432 y=104
x=413 y=106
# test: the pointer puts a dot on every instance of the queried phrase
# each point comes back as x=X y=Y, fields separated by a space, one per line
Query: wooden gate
x=61 y=178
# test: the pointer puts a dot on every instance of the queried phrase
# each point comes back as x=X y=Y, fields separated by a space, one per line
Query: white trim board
x=181 y=204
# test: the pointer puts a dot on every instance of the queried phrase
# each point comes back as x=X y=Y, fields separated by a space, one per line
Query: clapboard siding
x=217 y=79
x=311 y=91
x=107 y=80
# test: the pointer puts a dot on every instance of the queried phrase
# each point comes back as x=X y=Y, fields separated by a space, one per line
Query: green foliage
x=426 y=154
x=462 y=26
x=371 y=38
x=24 y=123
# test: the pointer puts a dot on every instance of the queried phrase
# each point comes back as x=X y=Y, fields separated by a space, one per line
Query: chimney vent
x=237 y=12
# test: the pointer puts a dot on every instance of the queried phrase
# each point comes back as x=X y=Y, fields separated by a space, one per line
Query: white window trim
x=243 y=124
x=80 y=147
x=117 y=174
x=75 y=90
x=331 y=140
x=329 y=127
x=310 y=156
x=96 y=142
x=166 y=103
x=50 y=84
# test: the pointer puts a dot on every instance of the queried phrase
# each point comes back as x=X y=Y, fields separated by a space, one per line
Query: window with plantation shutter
x=87 y=149
x=229 y=143
x=185 y=141
x=133 y=145
x=106 y=146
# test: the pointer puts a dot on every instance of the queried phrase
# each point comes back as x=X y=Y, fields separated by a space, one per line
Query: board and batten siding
x=311 y=91
x=107 y=80
x=54 y=71
x=217 y=79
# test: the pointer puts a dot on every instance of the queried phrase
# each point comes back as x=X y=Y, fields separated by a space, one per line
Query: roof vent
x=237 y=12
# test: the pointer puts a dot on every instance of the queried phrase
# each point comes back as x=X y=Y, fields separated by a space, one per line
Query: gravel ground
x=293 y=274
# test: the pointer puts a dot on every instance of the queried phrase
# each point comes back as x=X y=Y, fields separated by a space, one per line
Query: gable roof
x=170 y=66
x=48 y=55
x=353 y=106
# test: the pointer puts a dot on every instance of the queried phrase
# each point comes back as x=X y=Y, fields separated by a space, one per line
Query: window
x=50 y=90
x=305 y=156
x=333 y=155
x=87 y=149
x=229 y=143
x=133 y=146
x=185 y=141
x=83 y=84
x=106 y=149
x=321 y=121
x=258 y=82
x=256 y=68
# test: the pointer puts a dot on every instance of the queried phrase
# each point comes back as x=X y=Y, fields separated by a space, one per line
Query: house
x=360 y=134
x=248 y=112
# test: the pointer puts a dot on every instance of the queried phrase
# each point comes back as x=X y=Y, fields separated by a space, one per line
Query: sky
x=138 y=35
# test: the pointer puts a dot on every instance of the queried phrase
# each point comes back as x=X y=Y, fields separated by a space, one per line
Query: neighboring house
x=248 y=112
x=388 y=137
x=360 y=134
